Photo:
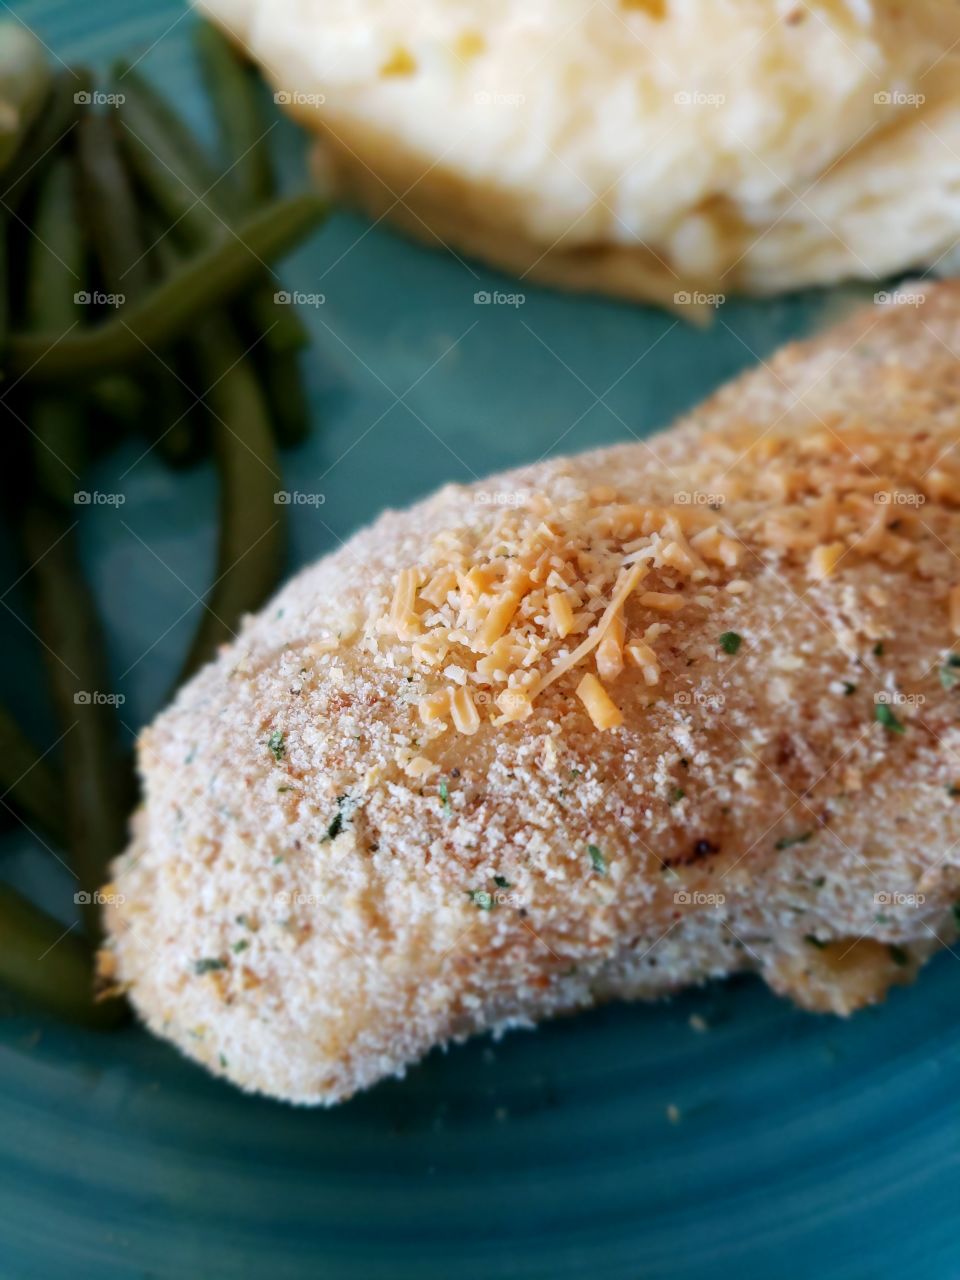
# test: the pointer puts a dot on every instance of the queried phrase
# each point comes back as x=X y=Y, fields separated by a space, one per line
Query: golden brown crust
x=309 y=899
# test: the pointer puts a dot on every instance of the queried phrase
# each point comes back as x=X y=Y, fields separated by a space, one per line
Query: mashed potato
x=639 y=147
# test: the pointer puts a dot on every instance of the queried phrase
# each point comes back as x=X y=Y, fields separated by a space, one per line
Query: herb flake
x=597 y=860
x=787 y=842
x=276 y=744
x=730 y=642
x=884 y=715
x=445 y=799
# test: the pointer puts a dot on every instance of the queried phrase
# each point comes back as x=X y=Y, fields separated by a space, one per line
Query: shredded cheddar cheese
x=823 y=559
x=507 y=609
x=506 y=606
x=610 y=650
x=642 y=656
x=466 y=718
x=662 y=600
x=434 y=706
x=561 y=614
x=402 y=613
x=601 y=708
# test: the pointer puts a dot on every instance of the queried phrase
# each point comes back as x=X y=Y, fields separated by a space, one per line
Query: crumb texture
x=600 y=727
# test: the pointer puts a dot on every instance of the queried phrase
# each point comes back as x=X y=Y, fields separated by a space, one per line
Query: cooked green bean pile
x=134 y=300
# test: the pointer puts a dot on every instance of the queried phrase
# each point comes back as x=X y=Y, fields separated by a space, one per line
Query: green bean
x=205 y=280
x=119 y=397
x=25 y=76
x=252 y=527
x=44 y=960
x=280 y=374
x=179 y=431
x=56 y=120
x=115 y=228
x=110 y=210
x=54 y=283
x=179 y=182
x=284 y=389
x=157 y=141
x=282 y=329
x=96 y=787
x=179 y=444
x=28 y=782
x=60 y=446
x=233 y=90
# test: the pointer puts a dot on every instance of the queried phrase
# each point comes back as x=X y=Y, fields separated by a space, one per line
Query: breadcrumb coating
x=353 y=847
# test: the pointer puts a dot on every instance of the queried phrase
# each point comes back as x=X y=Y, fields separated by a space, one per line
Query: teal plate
x=622 y=1144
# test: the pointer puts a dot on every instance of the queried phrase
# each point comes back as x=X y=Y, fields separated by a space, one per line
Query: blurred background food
x=135 y=300
x=640 y=148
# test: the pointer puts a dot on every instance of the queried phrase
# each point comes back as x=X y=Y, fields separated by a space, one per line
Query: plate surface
x=803 y=1146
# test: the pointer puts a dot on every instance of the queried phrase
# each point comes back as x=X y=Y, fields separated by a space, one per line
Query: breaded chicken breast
x=597 y=728
x=647 y=148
